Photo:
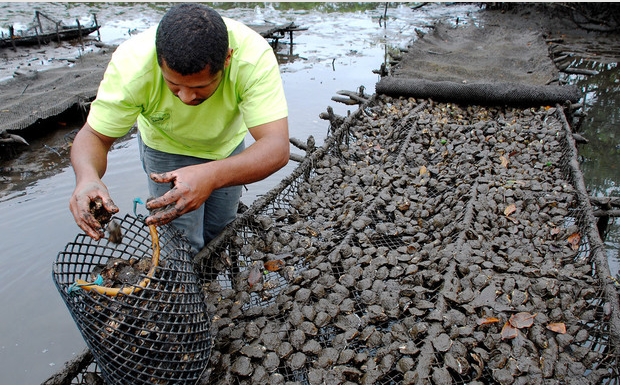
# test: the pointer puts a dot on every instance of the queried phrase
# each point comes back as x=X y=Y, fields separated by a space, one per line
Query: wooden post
x=38 y=37
x=38 y=14
x=97 y=25
x=11 y=35
x=38 y=29
x=80 y=33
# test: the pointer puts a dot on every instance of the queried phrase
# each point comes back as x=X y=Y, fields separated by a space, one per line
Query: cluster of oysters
x=405 y=255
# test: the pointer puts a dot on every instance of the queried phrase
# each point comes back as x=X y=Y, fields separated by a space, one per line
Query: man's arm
x=194 y=184
x=89 y=158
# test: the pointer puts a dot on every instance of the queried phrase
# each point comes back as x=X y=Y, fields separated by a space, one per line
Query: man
x=195 y=86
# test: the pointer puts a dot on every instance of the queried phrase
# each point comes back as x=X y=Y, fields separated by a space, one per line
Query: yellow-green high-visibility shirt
x=133 y=90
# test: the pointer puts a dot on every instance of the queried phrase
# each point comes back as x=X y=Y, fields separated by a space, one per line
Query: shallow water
x=342 y=47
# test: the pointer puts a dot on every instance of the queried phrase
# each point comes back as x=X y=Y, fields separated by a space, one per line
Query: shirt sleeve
x=263 y=99
x=114 y=111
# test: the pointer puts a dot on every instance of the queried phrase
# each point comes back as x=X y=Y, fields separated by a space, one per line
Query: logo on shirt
x=159 y=117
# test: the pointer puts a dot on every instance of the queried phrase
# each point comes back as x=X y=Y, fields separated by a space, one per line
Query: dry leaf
x=255 y=276
x=504 y=161
x=510 y=209
x=521 y=320
x=274 y=265
x=557 y=327
x=403 y=206
x=423 y=170
x=488 y=320
x=508 y=331
x=574 y=241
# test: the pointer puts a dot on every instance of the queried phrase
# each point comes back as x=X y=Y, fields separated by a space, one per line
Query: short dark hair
x=191 y=37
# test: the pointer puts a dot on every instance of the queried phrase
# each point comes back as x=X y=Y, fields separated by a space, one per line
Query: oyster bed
x=424 y=243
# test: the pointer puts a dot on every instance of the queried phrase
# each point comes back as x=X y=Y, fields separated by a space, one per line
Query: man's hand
x=89 y=159
x=80 y=203
x=192 y=185
x=190 y=189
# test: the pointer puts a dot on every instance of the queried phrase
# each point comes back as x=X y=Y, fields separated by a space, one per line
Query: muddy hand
x=170 y=205
x=82 y=203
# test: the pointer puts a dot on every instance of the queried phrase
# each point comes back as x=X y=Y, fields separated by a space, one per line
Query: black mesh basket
x=158 y=331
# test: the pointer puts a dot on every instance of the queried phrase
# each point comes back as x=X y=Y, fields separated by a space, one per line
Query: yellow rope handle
x=155 y=244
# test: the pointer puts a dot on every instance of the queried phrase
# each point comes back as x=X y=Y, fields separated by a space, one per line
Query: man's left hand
x=185 y=196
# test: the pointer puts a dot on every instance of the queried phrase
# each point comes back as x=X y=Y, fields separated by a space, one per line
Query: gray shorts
x=203 y=224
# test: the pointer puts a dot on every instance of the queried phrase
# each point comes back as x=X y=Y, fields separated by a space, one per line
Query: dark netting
x=156 y=334
x=424 y=242
x=26 y=99
x=479 y=93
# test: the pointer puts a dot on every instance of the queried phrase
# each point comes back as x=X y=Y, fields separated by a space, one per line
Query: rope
x=73 y=288
x=97 y=285
x=137 y=201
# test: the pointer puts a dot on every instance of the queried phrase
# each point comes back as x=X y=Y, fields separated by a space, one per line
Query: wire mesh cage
x=424 y=242
x=153 y=332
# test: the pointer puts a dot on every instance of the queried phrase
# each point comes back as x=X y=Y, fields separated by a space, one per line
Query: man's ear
x=229 y=55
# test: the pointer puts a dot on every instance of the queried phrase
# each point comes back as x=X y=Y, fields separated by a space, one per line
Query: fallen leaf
x=555 y=231
x=403 y=206
x=488 y=320
x=423 y=170
x=510 y=209
x=255 y=276
x=557 y=327
x=312 y=231
x=508 y=331
x=521 y=320
x=274 y=265
x=574 y=241
x=504 y=161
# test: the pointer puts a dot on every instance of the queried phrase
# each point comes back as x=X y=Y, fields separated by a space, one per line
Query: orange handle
x=155 y=244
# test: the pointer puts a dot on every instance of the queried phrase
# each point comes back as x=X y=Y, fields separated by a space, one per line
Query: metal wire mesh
x=403 y=251
x=26 y=98
x=407 y=245
x=159 y=334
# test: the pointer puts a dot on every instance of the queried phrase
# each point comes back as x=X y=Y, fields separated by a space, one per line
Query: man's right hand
x=89 y=154
x=80 y=203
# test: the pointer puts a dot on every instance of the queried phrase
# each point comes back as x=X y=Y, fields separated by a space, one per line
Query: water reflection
x=599 y=159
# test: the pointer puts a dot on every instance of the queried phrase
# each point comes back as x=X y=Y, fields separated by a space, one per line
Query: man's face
x=192 y=89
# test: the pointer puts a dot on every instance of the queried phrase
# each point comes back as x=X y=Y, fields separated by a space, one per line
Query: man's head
x=191 y=38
